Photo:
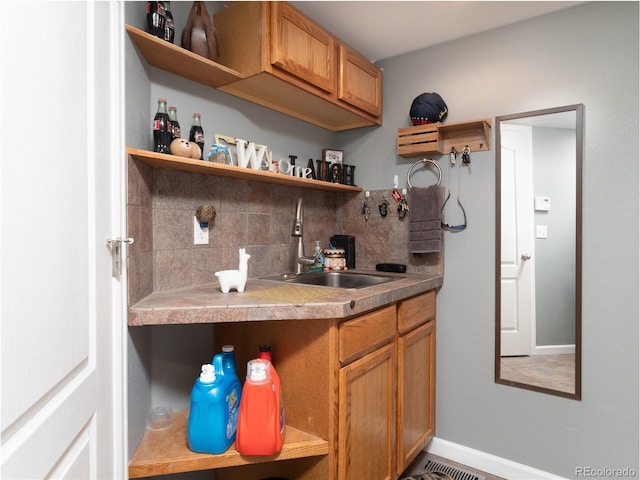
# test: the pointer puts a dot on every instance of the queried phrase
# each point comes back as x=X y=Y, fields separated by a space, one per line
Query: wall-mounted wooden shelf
x=179 y=61
x=441 y=138
x=162 y=452
x=287 y=97
x=173 y=162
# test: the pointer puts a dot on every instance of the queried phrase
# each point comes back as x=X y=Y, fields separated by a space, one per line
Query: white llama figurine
x=235 y=278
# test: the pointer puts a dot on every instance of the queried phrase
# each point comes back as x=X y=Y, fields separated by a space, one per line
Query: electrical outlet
x=200 y=234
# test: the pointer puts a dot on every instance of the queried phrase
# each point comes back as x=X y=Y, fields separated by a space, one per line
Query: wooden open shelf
x=180 y=61
x=441 y=138
x=162 y=452
x=173 y=162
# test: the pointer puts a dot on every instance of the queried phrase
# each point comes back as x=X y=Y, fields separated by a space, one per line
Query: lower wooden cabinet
x=409 y=354
x=359 y=397
x=366 y=425
x=416 y=392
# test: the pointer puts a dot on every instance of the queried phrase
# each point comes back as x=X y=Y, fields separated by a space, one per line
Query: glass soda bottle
x=197 y=134
x=169 y=24
x=161 y=128
x=175 y=126
x=156 y=18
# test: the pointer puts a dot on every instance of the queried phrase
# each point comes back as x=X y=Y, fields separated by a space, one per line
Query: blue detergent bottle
x=215 y=400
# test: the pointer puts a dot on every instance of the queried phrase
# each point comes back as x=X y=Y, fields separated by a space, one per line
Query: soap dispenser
x=318 y=266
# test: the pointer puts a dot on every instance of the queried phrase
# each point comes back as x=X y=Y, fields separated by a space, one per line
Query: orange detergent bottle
x=260 y=430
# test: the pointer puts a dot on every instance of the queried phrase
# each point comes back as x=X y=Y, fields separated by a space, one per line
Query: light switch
x=541 y=231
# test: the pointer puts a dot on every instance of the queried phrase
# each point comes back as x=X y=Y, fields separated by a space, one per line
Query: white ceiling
x=384 y=29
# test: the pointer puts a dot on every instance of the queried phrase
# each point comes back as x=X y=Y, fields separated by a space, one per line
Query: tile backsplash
x=259 y=216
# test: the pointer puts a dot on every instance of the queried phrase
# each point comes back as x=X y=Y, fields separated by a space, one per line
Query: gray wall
x=554 y=154
x=587 y=54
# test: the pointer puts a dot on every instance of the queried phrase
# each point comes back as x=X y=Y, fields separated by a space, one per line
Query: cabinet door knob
x=525 y=256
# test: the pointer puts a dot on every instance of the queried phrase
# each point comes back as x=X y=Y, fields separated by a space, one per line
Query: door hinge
x=115 y=244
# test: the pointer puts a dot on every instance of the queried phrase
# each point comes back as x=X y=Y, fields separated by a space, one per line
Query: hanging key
x=403 y=208
x=452 y=156
x=366 y=210
x=466 y=157
x=383 y=206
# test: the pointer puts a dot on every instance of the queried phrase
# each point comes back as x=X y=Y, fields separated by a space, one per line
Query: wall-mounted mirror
x=538 y=250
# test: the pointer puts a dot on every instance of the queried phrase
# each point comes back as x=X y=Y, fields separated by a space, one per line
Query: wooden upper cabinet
x=302 y=48
x=359 y=81
x=290 y=64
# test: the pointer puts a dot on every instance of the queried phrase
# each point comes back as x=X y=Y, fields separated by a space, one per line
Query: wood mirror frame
x=534 y=118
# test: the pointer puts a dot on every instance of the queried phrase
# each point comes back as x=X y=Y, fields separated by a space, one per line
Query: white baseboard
x=554 y=349
x=500 y=467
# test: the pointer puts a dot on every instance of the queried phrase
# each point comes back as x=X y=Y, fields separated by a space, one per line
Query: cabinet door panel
x=416 y=392
x=359 y=81
x=302 y=48
x=367 y=417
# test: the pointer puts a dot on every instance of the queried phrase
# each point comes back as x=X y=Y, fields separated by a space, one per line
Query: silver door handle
x=525 y=256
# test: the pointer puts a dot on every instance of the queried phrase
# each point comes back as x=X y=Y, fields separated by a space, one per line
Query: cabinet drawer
x=416 y=311
x=366 y=333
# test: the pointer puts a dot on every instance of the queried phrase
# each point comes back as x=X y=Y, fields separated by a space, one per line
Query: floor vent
x=426 y=464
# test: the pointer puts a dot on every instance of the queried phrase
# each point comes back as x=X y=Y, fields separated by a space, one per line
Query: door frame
x=119 y=301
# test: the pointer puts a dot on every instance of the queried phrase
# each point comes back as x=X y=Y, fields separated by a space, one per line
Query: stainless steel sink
x=334 y=279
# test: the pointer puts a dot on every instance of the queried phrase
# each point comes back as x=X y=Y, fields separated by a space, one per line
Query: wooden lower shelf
x=173 y=162
x=164 y=452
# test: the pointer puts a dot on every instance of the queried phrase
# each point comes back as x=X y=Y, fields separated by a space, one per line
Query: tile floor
x=549 y=371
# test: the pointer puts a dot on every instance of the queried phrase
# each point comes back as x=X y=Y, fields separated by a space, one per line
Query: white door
x=62 y=327
x=517 y=309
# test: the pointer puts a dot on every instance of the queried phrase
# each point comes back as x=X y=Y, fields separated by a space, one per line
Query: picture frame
x=334 y=161
x=332 y=156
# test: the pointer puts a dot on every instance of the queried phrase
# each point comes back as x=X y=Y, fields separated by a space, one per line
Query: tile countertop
x=207 y=304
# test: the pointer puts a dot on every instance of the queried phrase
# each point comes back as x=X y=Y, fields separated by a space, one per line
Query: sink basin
x=334 y=279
